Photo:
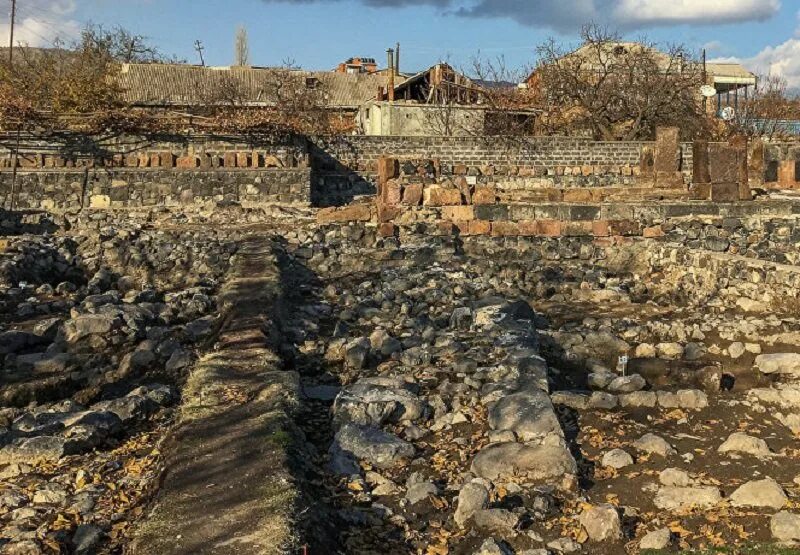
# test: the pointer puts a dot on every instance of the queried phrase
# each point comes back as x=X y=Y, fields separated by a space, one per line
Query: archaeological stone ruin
x=399 y=345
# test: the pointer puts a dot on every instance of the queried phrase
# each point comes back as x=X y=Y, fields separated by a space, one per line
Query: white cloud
x=781 y=60
x=43 y=26
x=661 y=12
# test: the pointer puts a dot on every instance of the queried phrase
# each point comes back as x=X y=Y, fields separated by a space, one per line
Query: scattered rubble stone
x=601 y=522
x=742 y=443
x=651 y=443
x=617 y=458
x=785 y=526
x=759 y=493
x=673 y=497
x=657 y=539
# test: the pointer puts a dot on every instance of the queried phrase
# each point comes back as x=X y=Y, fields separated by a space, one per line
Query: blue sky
x=317 y=34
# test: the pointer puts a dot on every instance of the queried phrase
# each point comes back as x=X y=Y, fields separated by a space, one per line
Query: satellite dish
x=708 y=91
x=728 y=113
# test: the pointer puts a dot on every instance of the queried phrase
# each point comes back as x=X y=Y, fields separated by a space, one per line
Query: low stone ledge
x=229 y=485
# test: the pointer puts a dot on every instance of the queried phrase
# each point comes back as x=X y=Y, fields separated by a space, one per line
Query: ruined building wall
x=341 y=167
x=69 y=189
x=67 y=150
x=345 y=166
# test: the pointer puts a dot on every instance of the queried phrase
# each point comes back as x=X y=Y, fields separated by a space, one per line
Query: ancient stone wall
x=772 y=239
x=344 y=167
x=697 y=277
x=67 y=189
x=781 y=166
x=78 y=150
x=521 y=162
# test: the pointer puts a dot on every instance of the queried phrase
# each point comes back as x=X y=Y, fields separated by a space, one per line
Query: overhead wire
x=26 y=12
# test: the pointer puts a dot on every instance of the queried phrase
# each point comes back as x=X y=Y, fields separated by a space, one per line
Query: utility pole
x=199 y=47
x=705 y=82
x=11 y=33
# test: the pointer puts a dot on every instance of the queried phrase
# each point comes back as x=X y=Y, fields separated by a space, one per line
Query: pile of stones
x=98 y=331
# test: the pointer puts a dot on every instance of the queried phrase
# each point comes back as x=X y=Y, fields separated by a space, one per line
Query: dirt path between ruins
x=227 y=455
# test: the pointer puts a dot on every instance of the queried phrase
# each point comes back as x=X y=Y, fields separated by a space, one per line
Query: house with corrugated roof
x=731 y=81
x=182 y=86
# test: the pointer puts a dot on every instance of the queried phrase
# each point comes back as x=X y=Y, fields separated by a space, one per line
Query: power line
x=45 y=39
x=53 y=27
x=25 y=11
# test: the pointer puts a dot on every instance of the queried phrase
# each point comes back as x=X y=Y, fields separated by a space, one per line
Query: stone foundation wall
x=516 y=163
x=701 y=277
x=765 y=238
x=125 y=188
x=133 y=151
x=363 y=152
x=578 y=266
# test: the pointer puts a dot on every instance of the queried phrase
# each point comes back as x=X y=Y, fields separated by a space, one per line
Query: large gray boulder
x=499 y=521
x=472 y=498
x=129 y=408
x=651 y=443
x=529 y=414
x=779 y=363
x=375 y=401
x=759 y=493
x=379 y=448
x=684 y=399
x=657 y=539
x=673 y=497
x=785 y=527
x=34 y=449
x=529 y=462
x=739 y=442
x=627 y=384
x=89 y=324
x=617 y=458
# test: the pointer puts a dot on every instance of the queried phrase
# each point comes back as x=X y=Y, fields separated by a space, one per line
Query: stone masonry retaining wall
x=344 y=167
x=125 y=188
x=363 y=152
x=76 y=150
x=701 y=277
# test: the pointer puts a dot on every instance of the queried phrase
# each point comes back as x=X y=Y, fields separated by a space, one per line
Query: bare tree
x=242 y=47
x=72 y=86
x=122 y=46
x=617 y=90
x=281 y=99
x=765 y=113
x=510 y=109
x=490 y=102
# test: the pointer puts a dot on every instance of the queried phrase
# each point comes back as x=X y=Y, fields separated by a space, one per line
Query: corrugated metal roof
x=728 y=69
x=176 y=84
